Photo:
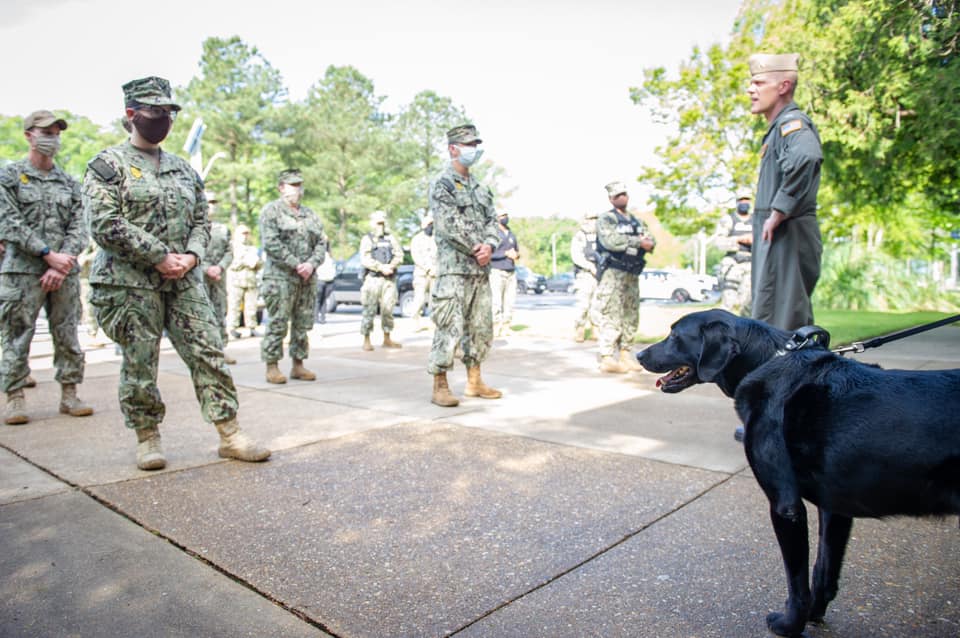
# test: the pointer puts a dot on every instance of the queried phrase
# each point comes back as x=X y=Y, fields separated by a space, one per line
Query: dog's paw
x=782 y=625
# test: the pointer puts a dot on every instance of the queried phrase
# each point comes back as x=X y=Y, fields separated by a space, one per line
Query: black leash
x=860 y=346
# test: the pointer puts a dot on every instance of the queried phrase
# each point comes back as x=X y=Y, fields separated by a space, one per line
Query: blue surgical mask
x=469 y=155
x=743 y=208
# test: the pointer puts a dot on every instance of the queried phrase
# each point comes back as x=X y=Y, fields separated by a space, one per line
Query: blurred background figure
x=326 y=273
x=215 y=263
x=503 y=276
x=423 y=249
x=242 y=283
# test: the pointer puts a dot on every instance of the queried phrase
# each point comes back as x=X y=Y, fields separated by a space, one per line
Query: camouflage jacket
x=463 y=216
x=423 y=249
x=290 y=237
x=220 y=248
x=39 y=211
x=243 y=270
x=612 y=234
x=139 y=213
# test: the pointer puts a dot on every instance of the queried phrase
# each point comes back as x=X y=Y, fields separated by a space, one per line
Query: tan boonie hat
x=151 y=91
x=464 y=134
x=615 y=188
x=43 y=119
x=769 y=62
x=290 y=176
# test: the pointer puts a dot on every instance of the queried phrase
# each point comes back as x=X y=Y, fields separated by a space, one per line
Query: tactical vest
x=740 y=228
x=382 y=250
x=589 y=247
x=633 y=264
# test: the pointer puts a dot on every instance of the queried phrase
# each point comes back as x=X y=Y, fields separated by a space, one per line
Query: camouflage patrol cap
x=615 y=188
x=769 y=62
x=152 y=91
x=463 y=134
x=43 y=119
x=290 y=176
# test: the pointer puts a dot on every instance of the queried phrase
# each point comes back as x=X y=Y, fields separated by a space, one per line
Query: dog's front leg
x=792 y=537
x=834 y=534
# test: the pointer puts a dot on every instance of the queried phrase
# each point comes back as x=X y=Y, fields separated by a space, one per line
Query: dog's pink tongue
x=665 y=378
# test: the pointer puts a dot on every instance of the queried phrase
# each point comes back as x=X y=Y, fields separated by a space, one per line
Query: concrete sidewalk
x=577 y=505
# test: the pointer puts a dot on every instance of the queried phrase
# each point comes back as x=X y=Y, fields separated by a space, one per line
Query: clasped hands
x=60 y=265
x=482 y=253
x=176 y=265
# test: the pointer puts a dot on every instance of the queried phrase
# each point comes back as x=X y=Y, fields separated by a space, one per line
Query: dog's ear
x=717 y=349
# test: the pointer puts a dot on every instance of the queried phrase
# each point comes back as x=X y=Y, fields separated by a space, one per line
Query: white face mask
x=469 y=155
x=291 y=194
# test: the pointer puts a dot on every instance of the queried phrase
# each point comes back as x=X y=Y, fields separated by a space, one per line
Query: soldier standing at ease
x=735 y=236
x=622 y=242
x=295 y=245
x=242 y=283
x=42 y=224
x=786 y=235
x=583 y=252
x=380 y=254
x=219 y=256
x=466 y=235
x=147 y=213
x=503 y=276
x=423 y=249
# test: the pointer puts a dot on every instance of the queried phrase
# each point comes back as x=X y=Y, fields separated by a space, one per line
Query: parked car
x=349 y=279
x=675 y=285
x=529 y=281
x=561 y=282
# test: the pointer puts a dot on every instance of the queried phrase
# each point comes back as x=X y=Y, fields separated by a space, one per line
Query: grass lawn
x=847 y=326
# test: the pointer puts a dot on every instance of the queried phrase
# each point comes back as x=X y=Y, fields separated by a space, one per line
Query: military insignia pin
x=23 y=178
x=136 y=172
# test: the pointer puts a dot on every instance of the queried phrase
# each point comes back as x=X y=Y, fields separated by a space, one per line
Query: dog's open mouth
x=677 y=380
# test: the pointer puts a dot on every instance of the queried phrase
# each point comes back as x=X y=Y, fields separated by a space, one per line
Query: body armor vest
x=632 y=264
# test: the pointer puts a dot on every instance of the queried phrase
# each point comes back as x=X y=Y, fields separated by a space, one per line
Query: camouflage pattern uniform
x=583 y=248
x=39 y=211
x=219 y=253
x=290 y=237
x=379 y=291
x=85 y=260
x=735 y=265
x=242 y=282
x=460 y=307
x=423 y=250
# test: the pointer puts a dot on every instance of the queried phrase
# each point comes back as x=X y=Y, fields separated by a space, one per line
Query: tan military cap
x=243 y=229
x=615 y=188
x=152 y=91
x=426 y=221
x=211 y=197
x=378 y=217
x=769 y=62
x=290 y=176
x=43 y=119
x=464 y=134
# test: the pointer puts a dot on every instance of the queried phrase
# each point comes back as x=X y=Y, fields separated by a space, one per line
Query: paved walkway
x=578 y=505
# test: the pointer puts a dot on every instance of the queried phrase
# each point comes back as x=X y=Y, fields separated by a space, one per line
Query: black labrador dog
x=851 y=438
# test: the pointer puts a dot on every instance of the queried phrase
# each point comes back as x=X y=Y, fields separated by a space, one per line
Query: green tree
x=78 y=144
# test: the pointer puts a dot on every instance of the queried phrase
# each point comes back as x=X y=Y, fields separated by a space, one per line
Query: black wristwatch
x=45 y=251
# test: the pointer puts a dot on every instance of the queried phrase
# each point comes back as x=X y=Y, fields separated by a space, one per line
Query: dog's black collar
x=806 y=337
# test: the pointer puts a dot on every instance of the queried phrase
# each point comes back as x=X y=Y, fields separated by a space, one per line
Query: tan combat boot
x=30 y=382
x=477 y=388
x=228 y=359
x=389 y=343
x=274 y=375
x=580 y=335
x=234 y=444
x=149 y=451
x=628 y=361
x=16 y=408
x=299 y=372
x=70 y=403
x=610 y=364
x=441 y=392
x=367 y=346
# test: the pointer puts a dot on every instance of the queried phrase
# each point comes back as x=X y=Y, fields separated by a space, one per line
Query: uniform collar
x=792 y=106
x=35 y=173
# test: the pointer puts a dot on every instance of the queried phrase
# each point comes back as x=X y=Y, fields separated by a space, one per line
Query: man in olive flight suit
x=380 y=254
x=148 y=214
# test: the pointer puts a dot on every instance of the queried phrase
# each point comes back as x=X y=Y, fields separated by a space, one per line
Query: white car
x=676 y=285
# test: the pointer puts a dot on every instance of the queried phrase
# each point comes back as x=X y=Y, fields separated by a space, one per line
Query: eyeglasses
x=154 y=112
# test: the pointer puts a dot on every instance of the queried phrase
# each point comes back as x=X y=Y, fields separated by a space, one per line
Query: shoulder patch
x=103 y=170
x=790 y=127
x=447 y=184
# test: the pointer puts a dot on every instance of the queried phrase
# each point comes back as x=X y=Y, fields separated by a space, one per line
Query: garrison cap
x=43 y=119
x=464 y=134
x=152 y=91
x=769 y=62
x=615 y=188
x=290 y=176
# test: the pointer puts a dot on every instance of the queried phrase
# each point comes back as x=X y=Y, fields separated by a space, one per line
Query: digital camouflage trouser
x=377 y=294
x=616 y=311
x=585 y=285
x=460 y=309
x=289 y=303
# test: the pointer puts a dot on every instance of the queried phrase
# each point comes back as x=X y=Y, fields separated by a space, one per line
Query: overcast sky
x=546 y=81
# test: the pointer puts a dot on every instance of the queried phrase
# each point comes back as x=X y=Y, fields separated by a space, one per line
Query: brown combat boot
x=389 y=343
x=30 y=382
x=299 y=372
x=234 y=444
x=16 y=408
x=610 y=364
x=477 y=388
x=367 y=346
x=274 y=375
x=441 y=392
x=149 y=451
x=70 y=403
x=228 y=359
x=580 y=335
x=628 y=361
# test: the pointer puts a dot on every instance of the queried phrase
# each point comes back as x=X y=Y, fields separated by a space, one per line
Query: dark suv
x=529 y=281
x=346 y=286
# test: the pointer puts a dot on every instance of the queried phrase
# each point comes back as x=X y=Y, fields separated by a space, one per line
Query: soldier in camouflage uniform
x=216 y=261
x=583 y=252
x=380 y=254
x=295 y=245
x=423 y=250
x=43 y=227
x=148 y=214
x=466 y=234
x=735 y=236
x=242 y=283
x=622 y=242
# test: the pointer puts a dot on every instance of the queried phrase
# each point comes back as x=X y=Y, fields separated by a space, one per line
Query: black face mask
x=153 y=130
x=428 y=230
x=743 y=209
x=505 y=220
